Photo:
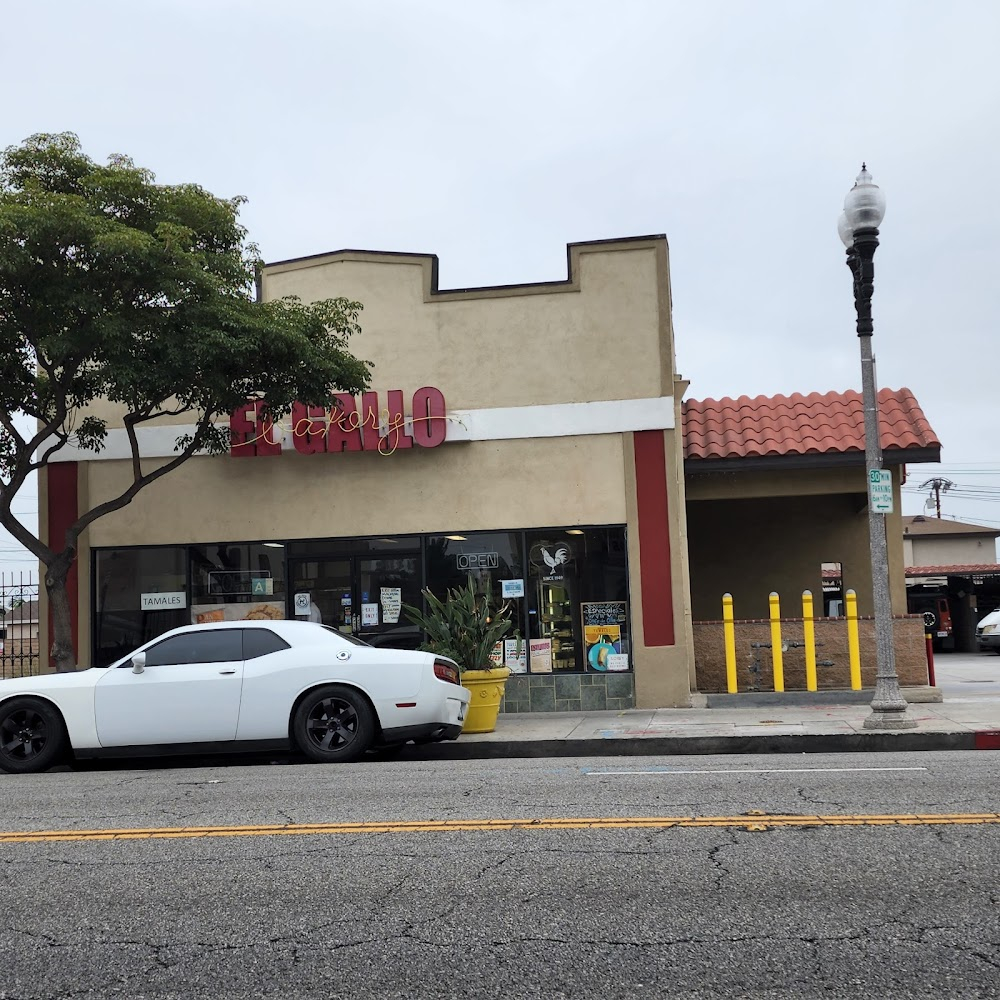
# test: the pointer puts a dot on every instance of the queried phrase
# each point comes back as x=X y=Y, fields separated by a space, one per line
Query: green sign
x=880 y=490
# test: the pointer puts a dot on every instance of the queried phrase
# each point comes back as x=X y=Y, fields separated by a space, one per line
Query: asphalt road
x=631 y=902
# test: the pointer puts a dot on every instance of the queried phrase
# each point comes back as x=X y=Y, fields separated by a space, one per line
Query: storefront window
x=138 y=594
x=237 y=582
x=577 y=600
x=488 y=557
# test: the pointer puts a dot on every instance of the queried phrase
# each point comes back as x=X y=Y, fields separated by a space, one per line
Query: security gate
x=19 y=653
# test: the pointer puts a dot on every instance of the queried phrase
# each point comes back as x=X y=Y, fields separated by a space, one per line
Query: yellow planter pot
x=486 y=688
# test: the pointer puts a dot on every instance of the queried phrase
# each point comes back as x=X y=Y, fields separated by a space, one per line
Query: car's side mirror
x=138 y=663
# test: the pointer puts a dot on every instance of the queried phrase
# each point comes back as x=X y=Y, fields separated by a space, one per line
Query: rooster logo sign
x=551 y=557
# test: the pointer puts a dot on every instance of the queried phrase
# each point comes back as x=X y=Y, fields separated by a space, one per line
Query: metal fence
x=19 y=653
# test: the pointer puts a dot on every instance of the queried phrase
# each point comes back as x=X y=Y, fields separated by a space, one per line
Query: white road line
x=753 y=770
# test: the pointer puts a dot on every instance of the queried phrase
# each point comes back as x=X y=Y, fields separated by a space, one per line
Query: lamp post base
x=888 y=707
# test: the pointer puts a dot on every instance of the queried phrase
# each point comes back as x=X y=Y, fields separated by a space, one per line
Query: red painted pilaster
x=63 y=511
x=654 y=539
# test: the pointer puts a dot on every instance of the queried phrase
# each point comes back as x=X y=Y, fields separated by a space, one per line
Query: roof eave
x=826 y=460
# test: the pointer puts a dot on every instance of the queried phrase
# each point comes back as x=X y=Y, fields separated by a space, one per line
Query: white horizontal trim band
x=505 y=423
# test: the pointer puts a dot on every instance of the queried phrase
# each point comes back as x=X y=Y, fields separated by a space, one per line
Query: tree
x=117 y=290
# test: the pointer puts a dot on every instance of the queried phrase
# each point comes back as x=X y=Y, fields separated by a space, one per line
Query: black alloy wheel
x=32 y=735
x=334 y=724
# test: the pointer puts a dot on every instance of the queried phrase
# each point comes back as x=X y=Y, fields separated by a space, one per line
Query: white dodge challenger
x=230 y=686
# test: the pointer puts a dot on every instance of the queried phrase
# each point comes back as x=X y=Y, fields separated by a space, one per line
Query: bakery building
x=529 y=436
x=524 y=434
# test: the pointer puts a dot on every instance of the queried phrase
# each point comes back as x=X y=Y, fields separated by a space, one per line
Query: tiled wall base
x=569 y=692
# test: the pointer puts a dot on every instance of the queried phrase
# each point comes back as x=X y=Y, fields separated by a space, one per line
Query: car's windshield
x=347 y=638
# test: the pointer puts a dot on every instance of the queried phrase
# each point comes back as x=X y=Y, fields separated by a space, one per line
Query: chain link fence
x=19 y=653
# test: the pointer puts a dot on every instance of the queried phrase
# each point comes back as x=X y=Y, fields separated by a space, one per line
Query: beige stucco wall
x=518 y=346
x=949 y=551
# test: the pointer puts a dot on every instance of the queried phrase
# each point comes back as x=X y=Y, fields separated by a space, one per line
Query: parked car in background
x=235 y=685
x=937 y=616
x=988 y=632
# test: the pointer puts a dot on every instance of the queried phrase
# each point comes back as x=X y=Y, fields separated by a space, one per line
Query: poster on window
x=246 y=611
x=601 y=642
x=603 y=622
x=392 y=599
x=369 y=614
x=540 y=654
x=496 y=655
x=515 y=655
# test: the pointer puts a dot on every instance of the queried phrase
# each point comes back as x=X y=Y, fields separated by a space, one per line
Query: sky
x=494 y=132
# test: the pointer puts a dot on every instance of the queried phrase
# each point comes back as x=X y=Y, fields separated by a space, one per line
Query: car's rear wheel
x=333 y=724
x=32 y=735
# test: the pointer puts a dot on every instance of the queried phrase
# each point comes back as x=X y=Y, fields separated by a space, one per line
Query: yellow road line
x=751 y=821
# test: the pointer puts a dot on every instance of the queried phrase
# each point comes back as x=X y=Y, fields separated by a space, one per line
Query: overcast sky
x=493 y=132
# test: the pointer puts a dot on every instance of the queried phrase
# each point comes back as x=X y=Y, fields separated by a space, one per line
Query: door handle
x=227 y=671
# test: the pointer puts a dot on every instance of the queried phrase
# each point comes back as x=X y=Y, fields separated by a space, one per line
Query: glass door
x=383 y=585
x=321 y=591
x=359 y=595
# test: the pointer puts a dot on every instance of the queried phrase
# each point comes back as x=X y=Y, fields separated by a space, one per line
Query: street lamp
x=858 y=225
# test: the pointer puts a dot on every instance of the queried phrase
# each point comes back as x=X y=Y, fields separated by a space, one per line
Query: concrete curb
x=650 y=746
x=760 y=699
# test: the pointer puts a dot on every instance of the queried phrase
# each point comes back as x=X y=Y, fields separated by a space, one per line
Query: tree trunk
x=62 y=652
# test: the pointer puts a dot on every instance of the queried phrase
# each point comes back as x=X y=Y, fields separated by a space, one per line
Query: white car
x=228 y=686
x=988 y=632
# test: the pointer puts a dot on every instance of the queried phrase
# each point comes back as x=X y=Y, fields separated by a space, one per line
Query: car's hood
x=993 y=618
x=51 y=682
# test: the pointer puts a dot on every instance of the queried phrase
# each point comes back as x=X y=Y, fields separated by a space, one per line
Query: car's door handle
x=227 y=671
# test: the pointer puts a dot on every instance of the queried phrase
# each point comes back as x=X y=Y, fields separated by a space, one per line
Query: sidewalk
x=792 y=723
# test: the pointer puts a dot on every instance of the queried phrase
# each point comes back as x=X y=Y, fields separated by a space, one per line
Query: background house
x=955 y=563
x=19 y=640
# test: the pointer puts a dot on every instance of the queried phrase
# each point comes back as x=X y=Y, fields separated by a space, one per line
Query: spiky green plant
x=465 y=626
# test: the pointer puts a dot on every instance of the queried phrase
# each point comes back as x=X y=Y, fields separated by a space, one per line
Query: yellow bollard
x=853 y=643
x=809 y=638
x=777 y=661
x=729 y=631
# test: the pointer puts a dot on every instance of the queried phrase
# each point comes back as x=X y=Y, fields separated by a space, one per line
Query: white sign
x=163 y=602
x=512 y=588
x=302 y=605
x=880 y=490
x=516 y=662
x=617 y=661
x=541 y=655
x=369 y=614
x=392 y=599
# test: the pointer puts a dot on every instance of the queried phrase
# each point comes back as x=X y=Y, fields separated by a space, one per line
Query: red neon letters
x=346 y=426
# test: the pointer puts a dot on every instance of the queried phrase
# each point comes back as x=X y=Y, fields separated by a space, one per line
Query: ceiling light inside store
x=456 y=538
x=574 y=531
x=273 y=545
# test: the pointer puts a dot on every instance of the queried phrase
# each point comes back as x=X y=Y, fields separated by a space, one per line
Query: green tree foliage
x=114 y=288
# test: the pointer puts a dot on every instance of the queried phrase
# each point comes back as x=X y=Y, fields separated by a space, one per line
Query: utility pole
x=939 y=486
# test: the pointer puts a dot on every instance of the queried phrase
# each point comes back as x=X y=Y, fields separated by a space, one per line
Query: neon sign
x=345 y=426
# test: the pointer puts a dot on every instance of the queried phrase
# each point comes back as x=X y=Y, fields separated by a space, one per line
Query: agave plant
x=465 y=626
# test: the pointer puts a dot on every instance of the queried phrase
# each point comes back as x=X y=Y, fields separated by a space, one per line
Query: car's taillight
x=446 y=671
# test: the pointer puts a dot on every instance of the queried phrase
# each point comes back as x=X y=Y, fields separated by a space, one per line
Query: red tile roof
x=816 y=424
x=956 y=569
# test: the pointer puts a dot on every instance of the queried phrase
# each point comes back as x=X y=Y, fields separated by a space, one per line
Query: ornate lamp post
x=864 y=208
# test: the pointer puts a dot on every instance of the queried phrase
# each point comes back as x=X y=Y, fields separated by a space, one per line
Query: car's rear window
x=260 y=642
x=353 y=639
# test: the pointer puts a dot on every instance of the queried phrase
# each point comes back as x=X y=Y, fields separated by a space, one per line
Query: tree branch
x=8 y=426
x=139 y=483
